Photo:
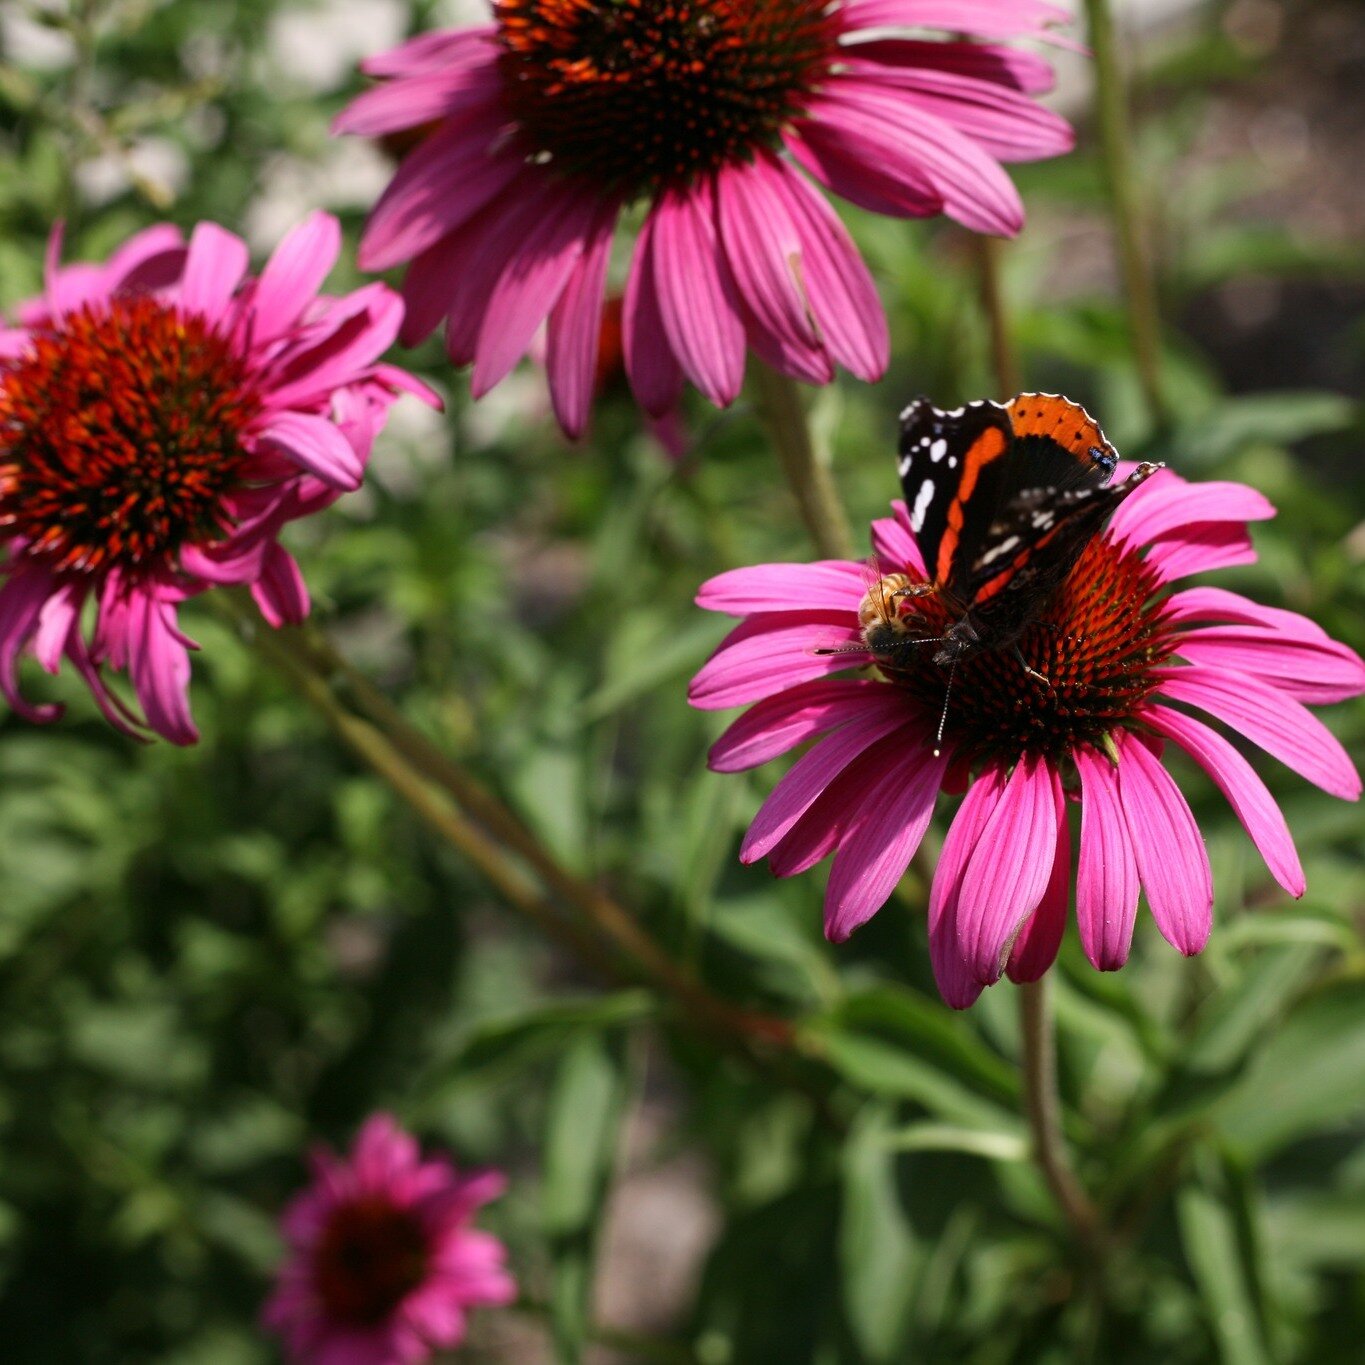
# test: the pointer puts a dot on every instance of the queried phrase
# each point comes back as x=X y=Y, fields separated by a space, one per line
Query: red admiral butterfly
x=1003 y=498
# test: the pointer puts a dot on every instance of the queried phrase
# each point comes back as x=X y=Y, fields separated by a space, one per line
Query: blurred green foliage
x=210 y=959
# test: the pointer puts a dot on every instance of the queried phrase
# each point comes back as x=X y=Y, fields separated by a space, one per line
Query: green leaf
x=1262 y=419
x=877 y=1254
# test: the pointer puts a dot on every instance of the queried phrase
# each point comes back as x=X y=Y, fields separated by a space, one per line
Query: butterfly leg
x=1032 y=672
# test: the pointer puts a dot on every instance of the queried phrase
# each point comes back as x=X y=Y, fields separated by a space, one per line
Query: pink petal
x=151 y=259
x=883 y=836
x=1268 y=717
x=864 y=163
x=1107 y=882
x=1035 y=949
x=764 y=251
x=1170 y=853
x=771 y=652
x=777 y=724
x=821 y=829
x=456 y=172
x=1201 y=549
x=530 y=285
x=424 y=98
x=655 y=376
x=56 y=618
x=280 y=592
x=827 y=584
x=838 y=285
x=1217 y=604
x=21 y=600
x=810 y=775
x=1246 y=793
x=894 y=543
x=159 y=666
x=1308 y=670
x=991 y=18
x=575 y=330
x=293 y=275
x=433 y=281
x=316 y=445
x=697 y=299
x=1004 y=123
x=1009 y=870
x=957 y=983
x=1003 y=65
x=214 y=266
x=973 y=187
x=1165 y=504
x=435 y=50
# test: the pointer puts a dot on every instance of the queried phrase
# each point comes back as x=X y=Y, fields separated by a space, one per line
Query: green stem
x=810 y=479
x=1004 y=360
x=1111 y=112
x=1043 y=1109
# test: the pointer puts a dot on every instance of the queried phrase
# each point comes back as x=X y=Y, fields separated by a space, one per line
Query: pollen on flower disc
x=1097 y=644
x=120 y=432
x=370 y=1256
x=641 y=95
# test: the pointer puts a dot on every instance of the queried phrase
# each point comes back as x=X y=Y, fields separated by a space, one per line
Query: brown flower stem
x=454 y=804
x=1004 y=360
x=1111 y=114
x=1043 y=1109
x=809 y=477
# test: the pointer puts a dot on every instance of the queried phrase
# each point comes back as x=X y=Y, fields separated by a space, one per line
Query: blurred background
x=210 y=959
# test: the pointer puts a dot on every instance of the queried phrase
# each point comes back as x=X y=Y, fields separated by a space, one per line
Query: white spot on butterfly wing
x=938 y=450
x=996 y=551
x=922 y=500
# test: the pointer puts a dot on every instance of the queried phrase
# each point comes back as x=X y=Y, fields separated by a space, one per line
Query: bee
x=889 y=633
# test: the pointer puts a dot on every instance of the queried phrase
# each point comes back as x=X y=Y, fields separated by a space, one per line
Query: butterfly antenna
x=943 y=715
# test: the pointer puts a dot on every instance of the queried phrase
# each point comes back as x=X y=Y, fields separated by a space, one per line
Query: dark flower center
x=369 y=1257
x=120 y=432
x=641 y=95
x=1096 y=645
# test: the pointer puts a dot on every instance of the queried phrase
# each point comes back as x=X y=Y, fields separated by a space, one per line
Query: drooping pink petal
x=1009 y=870
x=456 y=173
x=1107 y=881
x=316 y=445
x=884 y=835
x=280 y=591
x=292 y=276
x=838 y=285
x=957 y=983
x=159 y=666
x=1006 y=66
x=777 y=724
x=1164 y=504
x=1261 y=817
x=1005 y=123
x=214 y=266
x=894 y=543
x=973 y=187
x=1218 y=604
x=809 y=776
x=1316 y=671
x=827 y=584
x=1269 y=717
x=771 y=652
x=56 y=618
x=656 y=378
x=697 y=298
x=575 y=330
x=434 y=280
x=21 y=601
x=1035 y=948
x=1170 y=853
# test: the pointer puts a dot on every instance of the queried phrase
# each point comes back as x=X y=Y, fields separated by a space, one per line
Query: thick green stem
x=1043 y=1109
x=1111 y=113
x=810 y=479
x=1004 y=361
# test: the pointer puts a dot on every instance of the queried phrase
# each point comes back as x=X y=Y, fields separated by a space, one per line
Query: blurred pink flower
x=162 y=417
x=549 y=123
x=383 y=1264
x=1125 y=657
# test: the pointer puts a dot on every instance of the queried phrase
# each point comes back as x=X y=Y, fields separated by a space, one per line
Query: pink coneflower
x=162 y=417
x=383 y=1264
x=1125 y=658
x=560 y=116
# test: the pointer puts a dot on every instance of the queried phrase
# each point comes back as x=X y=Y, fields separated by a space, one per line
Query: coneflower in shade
x=383 y=1264
x=1130 y=664
x=162 y=417
x=710 y=120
